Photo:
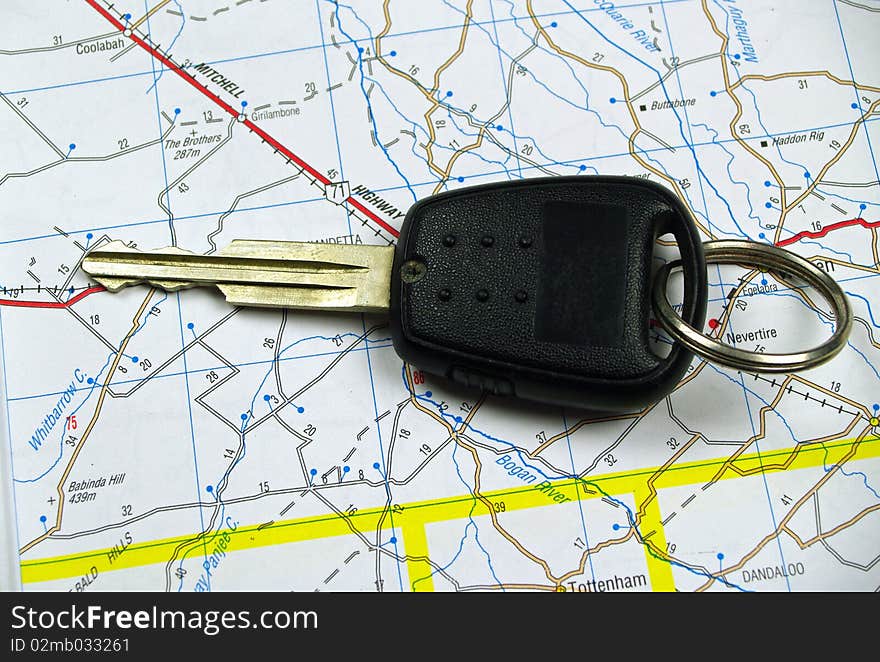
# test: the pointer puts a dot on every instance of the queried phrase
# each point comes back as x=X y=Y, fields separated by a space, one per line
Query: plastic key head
x=541 y=289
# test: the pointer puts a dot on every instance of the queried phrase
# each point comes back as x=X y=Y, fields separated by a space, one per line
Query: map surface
x=170 y=442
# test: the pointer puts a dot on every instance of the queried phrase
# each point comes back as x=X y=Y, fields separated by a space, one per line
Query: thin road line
x=272 y=142
x=805 y=234
x=590 y=159
x=452 y=508
x=52 y=304
x=135 y=322
x=828 y=228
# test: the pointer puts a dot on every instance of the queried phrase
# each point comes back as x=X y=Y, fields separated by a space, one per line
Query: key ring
x=773 y=259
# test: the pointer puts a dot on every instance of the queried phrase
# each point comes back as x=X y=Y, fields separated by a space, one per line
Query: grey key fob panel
x=541 y=289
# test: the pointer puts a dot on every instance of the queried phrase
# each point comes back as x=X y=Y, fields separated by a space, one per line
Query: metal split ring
x=773 y=259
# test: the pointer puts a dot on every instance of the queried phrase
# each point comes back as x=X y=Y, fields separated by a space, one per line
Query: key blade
x=116 y=265
x=329 y=276
x=303 y=298
x=273 y=274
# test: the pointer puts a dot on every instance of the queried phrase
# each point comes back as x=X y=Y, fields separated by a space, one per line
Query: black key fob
x=541 y=289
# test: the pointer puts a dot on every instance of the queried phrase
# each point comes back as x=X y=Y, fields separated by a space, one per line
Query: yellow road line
x=651 y=528
x=420 y=572
x=438 y=510
x=159 y=551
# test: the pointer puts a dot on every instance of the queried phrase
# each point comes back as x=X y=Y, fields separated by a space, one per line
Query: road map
x=171 y=442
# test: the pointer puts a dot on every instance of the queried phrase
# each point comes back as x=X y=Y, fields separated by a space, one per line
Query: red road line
x=828 y=228
x=357 y=204
x=17 y=303
x=172 y=66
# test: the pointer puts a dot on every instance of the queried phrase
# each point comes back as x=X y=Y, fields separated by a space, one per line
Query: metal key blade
x=276 y=274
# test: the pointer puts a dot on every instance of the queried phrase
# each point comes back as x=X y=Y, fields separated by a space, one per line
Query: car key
x=537 y=288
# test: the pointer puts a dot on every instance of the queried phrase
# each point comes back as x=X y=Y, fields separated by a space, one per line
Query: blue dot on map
x=720 y=556
x=346 y=469
x=266 y=397
x=360 y=49
x=375 y=465
x=461 y=179
x=499 y=127
x=767 y=183
x=854 y=105
x=244 y=417
x=713 y=93
x=763 y=281
x=42 y=518
x=392 y=53
x=89 y=235
x=314 y=472
x=71 y=290
x=806 y=175
x=767 y=205
x=616 y=527
x=190 y=325
x=209 y=488
x=863 y=206
x=300 y=410
x=90 y=381
x=134 y=359
x=392 y=539
x=449 y=93
x=126 y=16
x=737 y=56
x=612 y=100
x=457 y=419
x=876 y=406
x=244 y=104
x=582 y=168
x=554 y=24
x=428 y=394
x=177 y=111
x=761 y=235
x=72 y=145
